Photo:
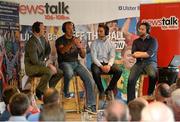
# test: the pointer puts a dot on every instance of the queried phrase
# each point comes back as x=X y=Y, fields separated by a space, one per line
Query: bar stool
x=34 y=83
x=76 y=92
x=141 y=83
x=107 y=77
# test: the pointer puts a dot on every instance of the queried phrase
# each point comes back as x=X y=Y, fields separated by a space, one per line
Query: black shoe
x=91 y=109
x=39 y=94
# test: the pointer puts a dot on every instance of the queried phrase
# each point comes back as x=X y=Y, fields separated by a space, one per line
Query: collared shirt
x=18 y=118
x=103 y=51
x=149 y=45
x=5 y=115
x=39 y=40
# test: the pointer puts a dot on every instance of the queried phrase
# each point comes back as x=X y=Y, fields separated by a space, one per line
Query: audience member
x=33 y=106
x=162 y=93
x=52 y=112
x=175 y=99
x=157 y=112
x=135 y=108
x=117 y=111
x=51 y=95
x=19 y=107
x=175 y=86
x=6 y=95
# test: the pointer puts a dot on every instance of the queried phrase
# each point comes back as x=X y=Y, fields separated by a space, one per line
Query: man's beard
x=142 y=34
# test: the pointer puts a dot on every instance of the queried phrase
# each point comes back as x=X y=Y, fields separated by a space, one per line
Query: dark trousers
x=139 y=68
x=46 y=77
x=96 y=72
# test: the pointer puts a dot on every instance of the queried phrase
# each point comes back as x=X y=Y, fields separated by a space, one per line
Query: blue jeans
x=69 y=68
x=139 y=68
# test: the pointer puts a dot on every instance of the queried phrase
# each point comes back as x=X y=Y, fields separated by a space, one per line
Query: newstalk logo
x=50 y=12
x=171 y=23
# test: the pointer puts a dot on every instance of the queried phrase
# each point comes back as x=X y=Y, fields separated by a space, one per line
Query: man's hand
x=78 y=43
x=139 y=54
x=52 y=68
x=105 y=68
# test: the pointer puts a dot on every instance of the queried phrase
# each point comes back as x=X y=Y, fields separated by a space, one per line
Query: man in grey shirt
x=103 y=56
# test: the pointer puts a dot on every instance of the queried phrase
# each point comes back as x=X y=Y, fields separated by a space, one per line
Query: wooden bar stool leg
x=61 y=93
x=33 y=85
x=97 y=96
x=76 y=94
x=140 y=90
x=112 y=94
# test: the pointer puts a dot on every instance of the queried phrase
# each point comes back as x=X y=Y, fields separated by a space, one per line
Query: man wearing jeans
x=68 y=48
x=144 y=49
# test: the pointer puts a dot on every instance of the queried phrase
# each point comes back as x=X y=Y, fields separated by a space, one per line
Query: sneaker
x=39 y=94
x=69 y=95
x=91 y=109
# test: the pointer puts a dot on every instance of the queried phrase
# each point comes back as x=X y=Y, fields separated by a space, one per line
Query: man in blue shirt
x=144 y=49
x=103 y=56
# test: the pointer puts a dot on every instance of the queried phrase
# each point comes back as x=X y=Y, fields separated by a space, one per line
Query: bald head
x=162 y=92
x=117 y=111
x=142 y=100
x=157 y=112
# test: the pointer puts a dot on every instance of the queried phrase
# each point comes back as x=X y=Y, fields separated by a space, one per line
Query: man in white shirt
x=103 y=56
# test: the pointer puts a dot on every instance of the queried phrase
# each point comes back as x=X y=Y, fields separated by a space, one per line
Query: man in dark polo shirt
x=144 y=49
x=68 y=48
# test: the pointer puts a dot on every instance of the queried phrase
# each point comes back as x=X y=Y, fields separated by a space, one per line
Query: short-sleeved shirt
x=149 y=45
x=69 y=56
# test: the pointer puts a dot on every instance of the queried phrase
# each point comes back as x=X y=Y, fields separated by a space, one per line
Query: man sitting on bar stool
x=103 y=56
x=68 y=48
x=144 y=49
x=37 y=51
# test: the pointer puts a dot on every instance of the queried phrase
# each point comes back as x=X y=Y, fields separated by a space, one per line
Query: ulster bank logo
x=60 y=11
x=171 y=23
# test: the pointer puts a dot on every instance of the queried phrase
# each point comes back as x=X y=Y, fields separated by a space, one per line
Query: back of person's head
x=162 y=91
x=51 y=95
x=52 y=112
x=157 y=112
x=117 y=111
x=135 y=107
x=19 y=104
x=8 y=93
x=175 y=97
x=175 y=86
x=29 y=94
x=178 y=83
